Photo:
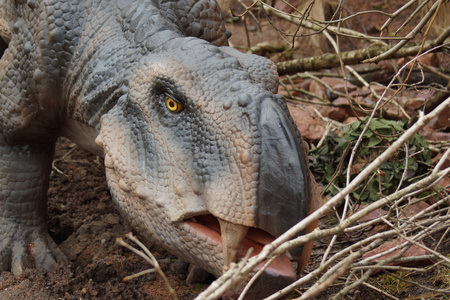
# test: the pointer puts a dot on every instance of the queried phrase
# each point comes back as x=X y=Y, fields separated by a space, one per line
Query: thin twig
x=380 y=291
x=148 y=256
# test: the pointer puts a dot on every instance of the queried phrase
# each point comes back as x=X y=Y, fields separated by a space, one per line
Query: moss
x=391 y=284
x=438 y=278
x=441 y=278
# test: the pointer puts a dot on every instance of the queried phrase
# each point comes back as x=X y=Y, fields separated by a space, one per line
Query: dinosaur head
x=203 y=157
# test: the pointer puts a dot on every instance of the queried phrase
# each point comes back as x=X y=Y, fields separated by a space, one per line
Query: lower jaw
x=280 y=270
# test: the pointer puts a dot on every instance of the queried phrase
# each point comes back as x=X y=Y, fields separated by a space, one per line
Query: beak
x=283 y=192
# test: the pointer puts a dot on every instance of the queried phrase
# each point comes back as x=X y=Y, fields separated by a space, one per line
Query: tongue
x=237 y=241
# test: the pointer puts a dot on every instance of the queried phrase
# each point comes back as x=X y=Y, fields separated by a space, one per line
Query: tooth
x=108 y=162
x=232 y=236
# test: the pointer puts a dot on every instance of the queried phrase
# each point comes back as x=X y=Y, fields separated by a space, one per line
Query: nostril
x=244 y=123
x=197 y=186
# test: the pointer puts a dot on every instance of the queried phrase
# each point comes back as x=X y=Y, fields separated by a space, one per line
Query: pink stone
x=413 y=251
x=311 y=128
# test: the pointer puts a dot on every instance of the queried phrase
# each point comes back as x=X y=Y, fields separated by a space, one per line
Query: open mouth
x=238 y=240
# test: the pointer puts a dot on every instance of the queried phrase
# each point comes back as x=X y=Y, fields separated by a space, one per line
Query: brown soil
x=85 y=223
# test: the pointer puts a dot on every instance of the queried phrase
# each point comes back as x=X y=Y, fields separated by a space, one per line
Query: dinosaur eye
x=173 y=105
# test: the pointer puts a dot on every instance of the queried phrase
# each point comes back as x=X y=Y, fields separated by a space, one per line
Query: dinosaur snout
x=283 y=195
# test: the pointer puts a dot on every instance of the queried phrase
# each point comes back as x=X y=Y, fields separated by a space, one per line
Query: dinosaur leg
x=24 y=240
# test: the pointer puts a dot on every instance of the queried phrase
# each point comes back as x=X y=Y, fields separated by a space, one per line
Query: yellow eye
x=173 y=105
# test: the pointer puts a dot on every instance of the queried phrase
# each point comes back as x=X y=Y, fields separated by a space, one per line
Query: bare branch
x=353 y=57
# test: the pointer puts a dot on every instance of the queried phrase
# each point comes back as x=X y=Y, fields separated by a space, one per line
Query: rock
x=430 y=59
x=442 y=120
x=311 y=129
x=350 y=120
x=444 y=183
x=341 y=87
x=433 y=135
x=317 y=89
x=413 y=100
x=413 y=251
x=414 y=209
x=371 y=216
x=340 y=113
x=438 y=157
x=332 y=81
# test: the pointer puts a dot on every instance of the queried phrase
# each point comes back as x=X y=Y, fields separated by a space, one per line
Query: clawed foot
x=27 y=248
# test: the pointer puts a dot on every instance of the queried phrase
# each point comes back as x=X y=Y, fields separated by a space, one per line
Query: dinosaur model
x=201 y=154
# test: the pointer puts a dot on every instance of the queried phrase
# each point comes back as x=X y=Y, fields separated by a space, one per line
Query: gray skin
x=100 y=73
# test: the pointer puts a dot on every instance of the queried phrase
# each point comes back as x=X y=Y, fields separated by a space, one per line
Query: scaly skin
x=100 y=73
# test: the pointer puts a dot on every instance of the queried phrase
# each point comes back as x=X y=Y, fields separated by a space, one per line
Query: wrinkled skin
x=225 y=172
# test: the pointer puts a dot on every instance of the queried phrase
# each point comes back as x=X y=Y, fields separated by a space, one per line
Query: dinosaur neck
x=107 y=50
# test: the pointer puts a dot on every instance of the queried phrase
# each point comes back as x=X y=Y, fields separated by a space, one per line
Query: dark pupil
x=171 y=104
